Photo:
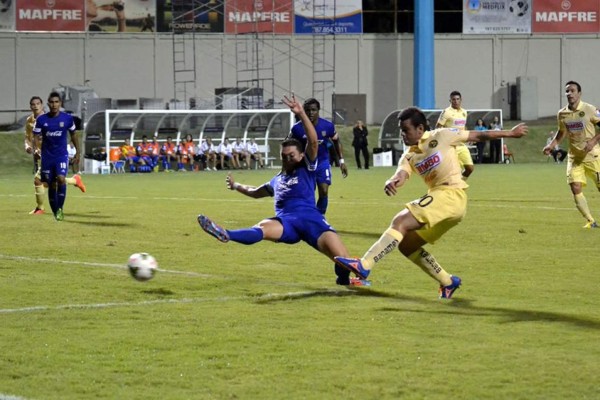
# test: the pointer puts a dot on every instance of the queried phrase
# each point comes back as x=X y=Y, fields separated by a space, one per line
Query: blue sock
x=61 y=195
x=179 y=165
x=131 y=168
x=52 y=198
x=322 y=204
x=246 y=236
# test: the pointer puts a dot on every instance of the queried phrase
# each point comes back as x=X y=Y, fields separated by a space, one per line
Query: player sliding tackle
x=425 y=220
x=296 y=215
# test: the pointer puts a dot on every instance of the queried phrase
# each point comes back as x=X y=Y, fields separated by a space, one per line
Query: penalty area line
x=94 y=264
x=264 y=297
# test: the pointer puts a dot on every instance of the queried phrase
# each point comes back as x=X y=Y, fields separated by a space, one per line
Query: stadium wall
x=380 y=66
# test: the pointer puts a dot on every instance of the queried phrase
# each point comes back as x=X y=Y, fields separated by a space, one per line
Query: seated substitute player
x=296 y=217
x=128 y=154
x=168 y=153
x=325 y=132
x=425 y=220
x=209 y=152
x=51 y=135
x=254 y=153
x=185 y=153
x=37 y=109
x=240 y=154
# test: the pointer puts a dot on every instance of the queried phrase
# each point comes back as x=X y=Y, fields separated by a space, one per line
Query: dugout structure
x=390 y=138
x=109 y=128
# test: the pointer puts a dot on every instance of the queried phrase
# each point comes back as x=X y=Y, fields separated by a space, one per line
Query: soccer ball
x=518 y=8
x=142 y=266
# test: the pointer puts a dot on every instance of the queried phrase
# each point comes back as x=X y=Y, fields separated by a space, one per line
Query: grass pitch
x=228 y=321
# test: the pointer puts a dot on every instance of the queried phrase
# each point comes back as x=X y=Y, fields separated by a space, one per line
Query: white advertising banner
x=497 y=16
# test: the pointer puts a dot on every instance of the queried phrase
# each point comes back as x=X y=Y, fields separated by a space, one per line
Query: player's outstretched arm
x=250 y=191
x=517 y=131
x=312 y=145
x=337 y=145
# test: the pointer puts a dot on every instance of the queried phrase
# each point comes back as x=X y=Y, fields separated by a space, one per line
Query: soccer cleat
x=590 y=225
x=357 y=282
x=446 y=292
x=213 y=229
x=79 y=183
x=58 y=215
x=37 y=211
x=353 y=265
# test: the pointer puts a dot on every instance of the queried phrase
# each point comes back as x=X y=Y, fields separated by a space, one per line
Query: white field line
x=268 y=296
x=10 y=397
x=94 y=264
x=488 y=203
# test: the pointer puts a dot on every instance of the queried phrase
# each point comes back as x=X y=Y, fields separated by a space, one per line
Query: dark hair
x=574 y=83
x=54 y=94
x=415 y=116
x=36 y=98
x=455 y=93
x=292 y=142
x=310 y=101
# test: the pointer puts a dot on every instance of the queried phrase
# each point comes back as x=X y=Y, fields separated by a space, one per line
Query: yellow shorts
x=439 y=210
x=577 y=172
x=464 y=155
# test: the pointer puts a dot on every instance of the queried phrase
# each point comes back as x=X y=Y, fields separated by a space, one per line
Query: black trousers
x=365 y=152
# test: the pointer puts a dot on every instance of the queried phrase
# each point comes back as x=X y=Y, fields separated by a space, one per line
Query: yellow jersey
x=580 y=126
x=435 y=159
x=29 y=124
x=453 y=118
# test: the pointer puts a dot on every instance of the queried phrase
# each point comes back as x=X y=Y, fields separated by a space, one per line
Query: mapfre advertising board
x=566 y=16
x=50 y=15
x=261 y=16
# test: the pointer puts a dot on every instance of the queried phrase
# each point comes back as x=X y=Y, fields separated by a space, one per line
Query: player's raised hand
x=344 y=170
x=519 y=130
x=293 y=104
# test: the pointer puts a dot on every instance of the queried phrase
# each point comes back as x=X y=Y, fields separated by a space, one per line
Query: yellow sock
x=427 y=263
x=39 y=196
x=582 y=206
x=70 y=181
x=387 y=243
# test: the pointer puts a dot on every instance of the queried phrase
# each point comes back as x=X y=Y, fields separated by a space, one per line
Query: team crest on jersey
x=61 y=124
x=581 y=114
x=433 y=144
x=429 y=163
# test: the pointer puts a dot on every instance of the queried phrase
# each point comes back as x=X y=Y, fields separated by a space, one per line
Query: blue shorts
x=53 y=167
x=323 y=173
x=303 y=226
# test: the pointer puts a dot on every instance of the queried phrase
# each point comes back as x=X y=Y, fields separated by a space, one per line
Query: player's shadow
x=464 y=307
x=371 y=235
x=159 y=292
x=70 y=220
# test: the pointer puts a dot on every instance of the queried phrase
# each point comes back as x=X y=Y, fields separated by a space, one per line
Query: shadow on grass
x=69 y=220
x=372 y=235
x=464 y=307
x=159 y=292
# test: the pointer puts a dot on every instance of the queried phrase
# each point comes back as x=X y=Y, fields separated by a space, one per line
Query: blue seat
x=118 y=167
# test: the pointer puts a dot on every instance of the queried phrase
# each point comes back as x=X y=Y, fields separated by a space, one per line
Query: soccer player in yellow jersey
x=432 y=156
x=578 y=121
x=456 y=117
x=37 y=108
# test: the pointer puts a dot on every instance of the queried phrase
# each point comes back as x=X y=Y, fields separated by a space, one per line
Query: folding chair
x=118 y=167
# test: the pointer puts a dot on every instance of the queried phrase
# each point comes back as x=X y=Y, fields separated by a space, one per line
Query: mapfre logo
x=567 y=16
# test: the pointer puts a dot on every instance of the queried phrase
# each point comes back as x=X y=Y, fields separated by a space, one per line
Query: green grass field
x=227 y=321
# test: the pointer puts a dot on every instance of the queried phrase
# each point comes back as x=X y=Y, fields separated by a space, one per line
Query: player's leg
x=357 y=156
x=365 y=151
x=465 y=160
x=40 y=192
x=323 y=183
x=576 y=177
x=76 y=181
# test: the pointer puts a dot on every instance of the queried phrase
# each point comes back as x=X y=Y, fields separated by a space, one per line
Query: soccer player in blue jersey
x=325 y=132
x=296 y=216
x=53 y=130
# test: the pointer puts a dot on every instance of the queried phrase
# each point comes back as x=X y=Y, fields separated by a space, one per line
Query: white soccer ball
x=518 y=7
x=142 y=266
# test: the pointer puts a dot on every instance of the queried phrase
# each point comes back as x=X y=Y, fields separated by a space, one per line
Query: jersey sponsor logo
x=460 y=122
x=54 y=133
x=429 y=163
x=574 y=126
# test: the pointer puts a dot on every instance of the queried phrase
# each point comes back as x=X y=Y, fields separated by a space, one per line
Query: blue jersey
x=295 y=192
x=55 y=133
x=325 y=131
